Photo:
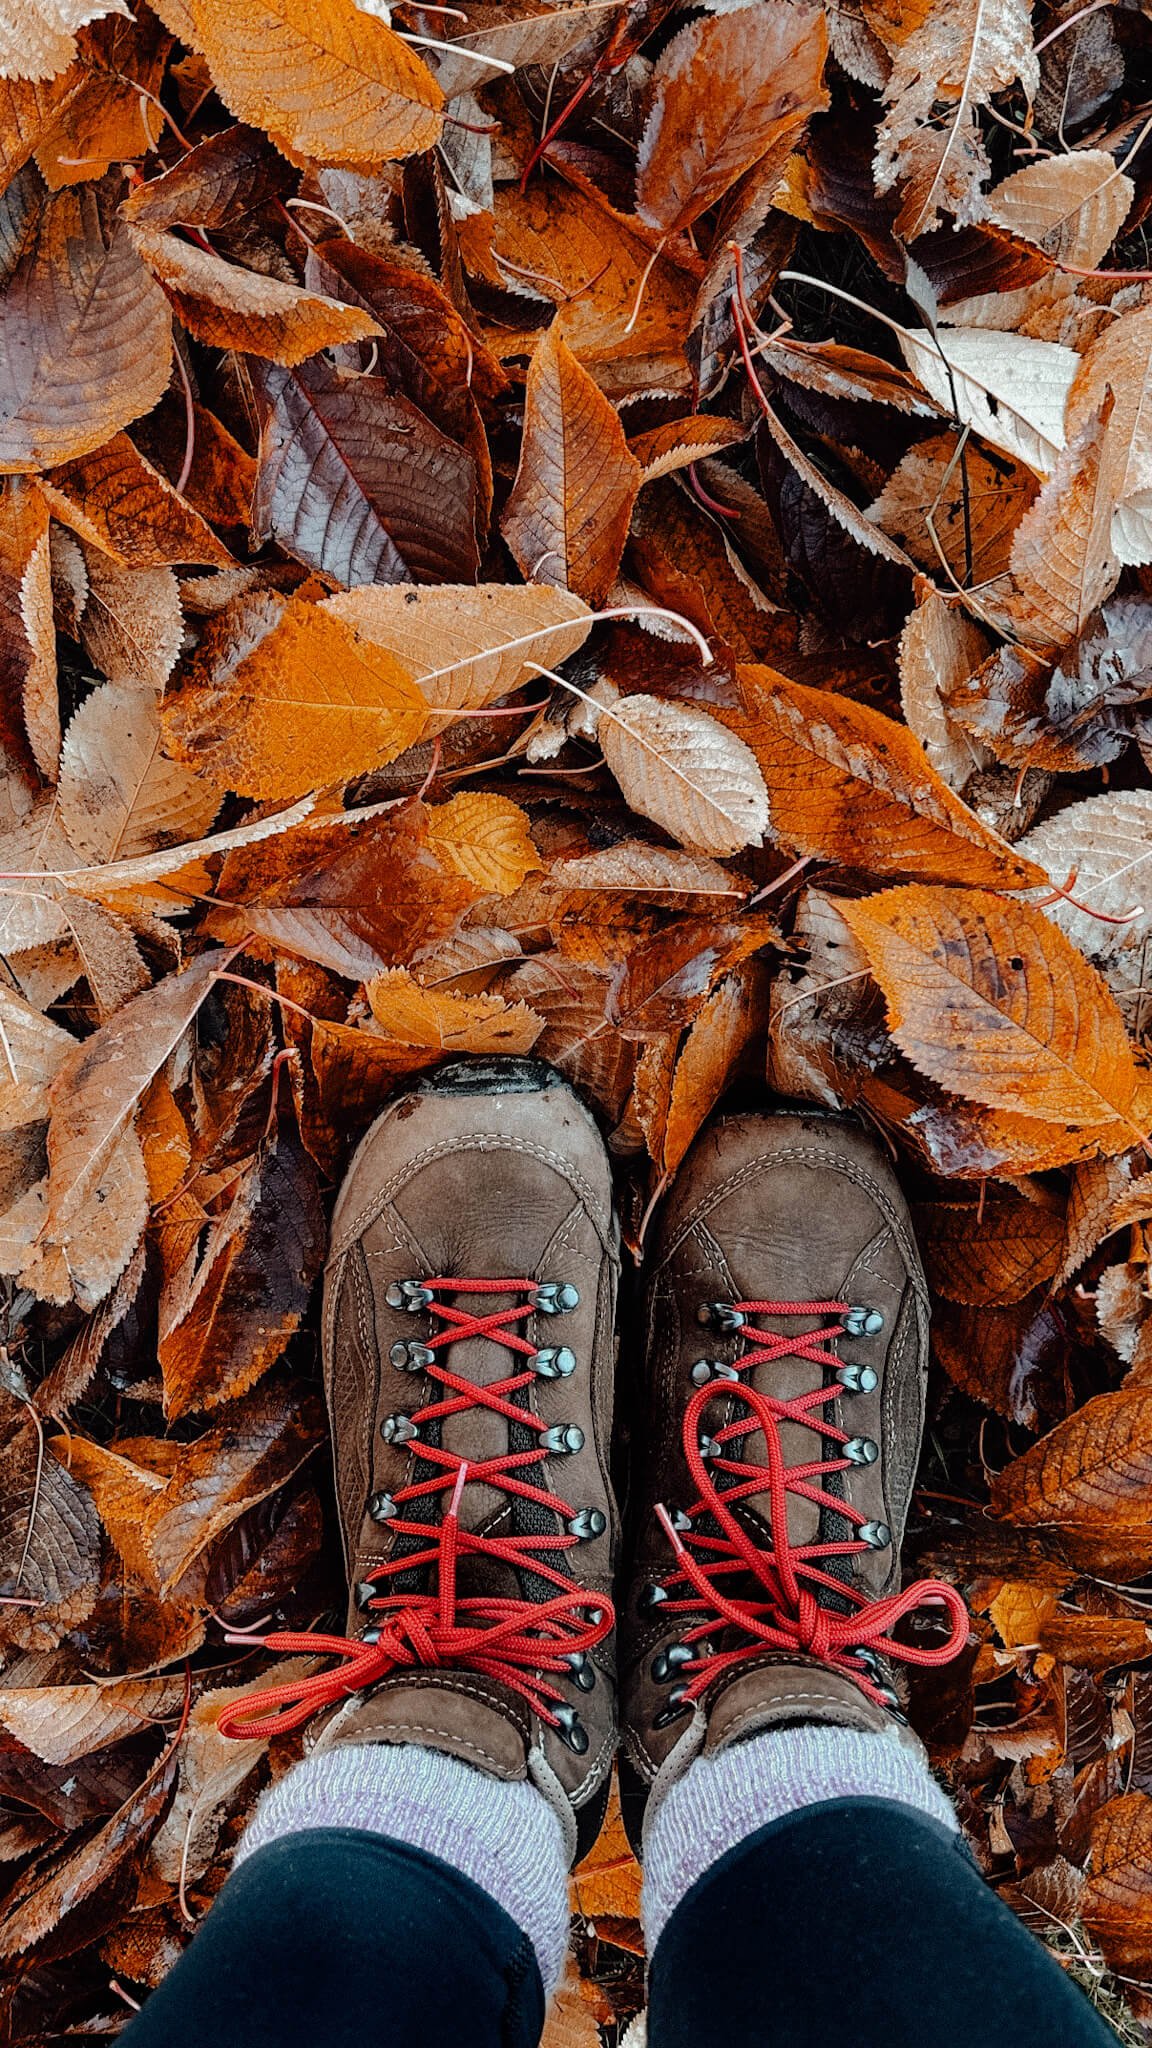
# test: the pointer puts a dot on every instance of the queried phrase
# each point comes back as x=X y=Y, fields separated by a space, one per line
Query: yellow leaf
x=415 y=1016
x=487 y=839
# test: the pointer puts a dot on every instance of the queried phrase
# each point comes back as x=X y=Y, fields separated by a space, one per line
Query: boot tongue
x=483 y=1724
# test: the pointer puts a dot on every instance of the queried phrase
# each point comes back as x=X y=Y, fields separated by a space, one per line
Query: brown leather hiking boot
x=779 y=1429
x=468 y=1357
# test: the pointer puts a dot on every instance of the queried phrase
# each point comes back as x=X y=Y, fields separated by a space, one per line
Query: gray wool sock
x=506 y=1838
x=721 y=1800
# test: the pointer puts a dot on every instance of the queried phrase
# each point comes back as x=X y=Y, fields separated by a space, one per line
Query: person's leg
x=863 y=1921
x=804 y=1874
x=336 y=1938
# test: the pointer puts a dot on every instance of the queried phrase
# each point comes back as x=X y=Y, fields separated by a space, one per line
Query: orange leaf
x=989 y=999
x=323 y=78
x=232 y=308
x=847 y=784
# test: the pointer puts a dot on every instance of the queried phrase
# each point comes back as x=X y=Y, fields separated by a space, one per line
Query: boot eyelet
x=410 y=1356
x=678 y=1704
x=710 y=1448
x=720 y=1315
x=666 y=1663
x=398 y=1429
x=367 y=1591
x=382 y=1507
x=564 y=1439
x=587 y=1523
x=861 y=1321
x=877 y=1535
x=572 y=1729
x=554 y=1362
x=861 y=1450
x=556 y=1297
x=706 y=1369
x=408 y=1295
x=857 y=1379
x=680 y=1521
x=583 y=1670
x=370 y=1635
x=651 y=1598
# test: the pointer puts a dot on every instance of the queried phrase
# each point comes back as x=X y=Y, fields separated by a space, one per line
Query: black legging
x=857 y=1922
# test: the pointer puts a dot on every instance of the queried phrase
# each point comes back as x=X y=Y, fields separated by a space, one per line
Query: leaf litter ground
x=615 y=530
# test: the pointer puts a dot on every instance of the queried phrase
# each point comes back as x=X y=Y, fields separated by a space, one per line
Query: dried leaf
x=845 y=783
x=1061 y=565
x=232 y=308
x=568 y=514
x=323 y=78
x=940 y=648
x=226 y=1317
x=118 y=795
x=310 y=703
x=132 y=625
x=466 y=647
x=62 y=1723
x=990 y=1255
x=409 y=1015
x=357 y=483
x=1119 y=365
x=120 y=504
x=733 y=1018
x=49 y=1539
x=487 y=839
x=1009 y=389
x=725 y=93
x=38 y=37
x=1073 y=206
x=677 y=766
x=990 y=1000
x=1090 y=1480
x=85 y=332
x=947 y=63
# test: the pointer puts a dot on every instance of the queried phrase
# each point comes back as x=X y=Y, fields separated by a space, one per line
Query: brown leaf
x=987 y=998
x=62 y=1723
x=677 y=766
x=228 y=307
x=132 y=625
x=42 y=42
x=215 y=184
x=118 y=503
x=49 y=1539
x=992 y=1254
x=42 y=1910
x=568 y=514
x=285 y=697
x=226 y=1317
x=847 y=784
x=725 y=93
x=163 y=1504
x=31 y=713
x=1116 y=1906
x=1090 y=1482
x=940 y=648
x=96 y=1092
x=356 y=896
x=399 y=496
x=974 y=498
x=118 y=795
x=1061 y=566
x=733 y=1018
x=85 y=332
x=321 y=77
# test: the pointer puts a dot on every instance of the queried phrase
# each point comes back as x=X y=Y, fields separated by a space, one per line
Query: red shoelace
x=523 y=1644
x=791 y=1616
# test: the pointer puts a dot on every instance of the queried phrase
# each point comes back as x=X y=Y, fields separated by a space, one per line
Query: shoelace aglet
x=669 y=1528
x=453 y=1513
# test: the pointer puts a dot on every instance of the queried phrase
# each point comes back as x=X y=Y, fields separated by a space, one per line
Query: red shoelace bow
x=524 y=1644
x=790 y=1616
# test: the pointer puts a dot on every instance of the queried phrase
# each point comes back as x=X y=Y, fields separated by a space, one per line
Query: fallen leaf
x=846 y=783
x=466 y=647
x=117 y=502
x=487 y=839
x=399 y=496
x=677 y=766
x=288 y=65
x=310 y=702
x=49 y=1538
x=990 y=1000
x=118 y=795
x=733 y=1018
x=940 y=648
x=568 y=514
x=724 y=93
x=85 y=332
x=132 y=625
x=992 y=1254
x=439 y=1021
x=1009 y=389
x=62 y=1723
x=228 y=307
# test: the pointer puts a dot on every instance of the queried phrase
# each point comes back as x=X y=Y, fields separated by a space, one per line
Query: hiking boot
x=468 y=1359
x=778 y=1433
